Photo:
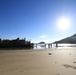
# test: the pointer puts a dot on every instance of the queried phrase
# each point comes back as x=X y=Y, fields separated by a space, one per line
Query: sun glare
x=63 y=24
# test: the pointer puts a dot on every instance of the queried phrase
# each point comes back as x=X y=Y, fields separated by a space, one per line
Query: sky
x=36 y=19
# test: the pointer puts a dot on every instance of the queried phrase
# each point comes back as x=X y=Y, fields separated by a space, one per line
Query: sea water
x=42 y=46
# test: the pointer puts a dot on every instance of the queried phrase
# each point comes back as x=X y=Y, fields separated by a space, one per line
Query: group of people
x=51 y=45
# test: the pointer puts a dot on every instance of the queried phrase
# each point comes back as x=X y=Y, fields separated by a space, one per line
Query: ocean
x=42 y=46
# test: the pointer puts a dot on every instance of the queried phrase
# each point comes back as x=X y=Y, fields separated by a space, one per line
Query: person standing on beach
x=56 y=45
x=45 y=46
x=51 y=45
x=48 y=45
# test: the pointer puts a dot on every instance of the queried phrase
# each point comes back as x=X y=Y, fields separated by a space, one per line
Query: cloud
x=43 y=36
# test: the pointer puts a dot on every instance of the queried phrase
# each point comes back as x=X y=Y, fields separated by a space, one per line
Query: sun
x=63 y=24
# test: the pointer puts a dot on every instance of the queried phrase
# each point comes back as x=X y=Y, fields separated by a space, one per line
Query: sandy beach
x=58 y=61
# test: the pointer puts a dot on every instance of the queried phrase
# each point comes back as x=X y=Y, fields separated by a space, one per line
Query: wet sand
x=58 y=61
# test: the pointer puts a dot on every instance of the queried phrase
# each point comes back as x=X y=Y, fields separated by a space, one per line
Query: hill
x=71 y=40
x=42 y=42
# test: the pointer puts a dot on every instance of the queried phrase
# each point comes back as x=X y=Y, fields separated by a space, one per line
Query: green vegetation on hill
x=15 y=43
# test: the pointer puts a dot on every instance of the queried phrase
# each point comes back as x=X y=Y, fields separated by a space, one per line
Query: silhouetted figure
x=56 y=45
x=51 y=45
x=36 y=45
x=48 y=45
x=45 y=46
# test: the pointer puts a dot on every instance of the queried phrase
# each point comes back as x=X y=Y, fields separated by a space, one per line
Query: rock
x=50 y=54
x=74 y=62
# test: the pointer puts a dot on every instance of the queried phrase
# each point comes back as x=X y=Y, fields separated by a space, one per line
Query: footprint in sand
x=69 y=53
x=55 y=62
x=69 y=66
x=57 y=74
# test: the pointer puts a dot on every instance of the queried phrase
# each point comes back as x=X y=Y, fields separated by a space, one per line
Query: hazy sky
x=36 y=19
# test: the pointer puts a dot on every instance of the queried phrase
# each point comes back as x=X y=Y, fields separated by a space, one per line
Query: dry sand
x=60 y=61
